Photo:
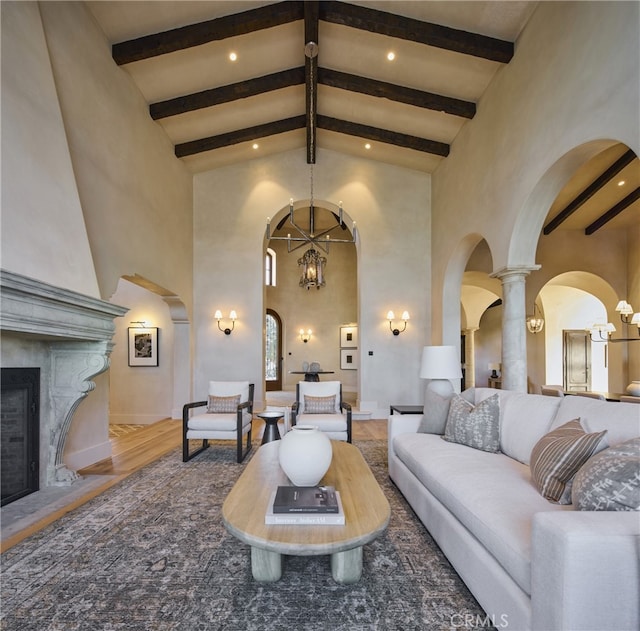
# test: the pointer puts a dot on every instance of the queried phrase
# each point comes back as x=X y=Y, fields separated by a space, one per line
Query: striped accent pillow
x=558 y=455
x=223 y=405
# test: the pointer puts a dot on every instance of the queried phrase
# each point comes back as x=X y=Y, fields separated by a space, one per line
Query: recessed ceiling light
x=621 y=183
x=391 y=55
x=367 y=146
x=233 y=56
x=255 y=145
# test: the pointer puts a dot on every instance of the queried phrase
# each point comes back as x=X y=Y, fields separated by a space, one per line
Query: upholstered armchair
x=320 y=404
x=228 y=417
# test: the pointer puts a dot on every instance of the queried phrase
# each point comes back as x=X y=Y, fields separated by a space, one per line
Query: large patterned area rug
x=152 y=553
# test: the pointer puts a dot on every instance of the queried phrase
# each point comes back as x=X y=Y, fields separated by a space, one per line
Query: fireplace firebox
x=19 y=432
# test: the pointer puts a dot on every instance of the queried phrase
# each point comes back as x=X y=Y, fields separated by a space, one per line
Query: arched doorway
x=322 y=308
x=273 y=351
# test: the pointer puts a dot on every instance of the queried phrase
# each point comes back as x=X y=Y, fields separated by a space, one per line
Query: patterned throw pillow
x=610 y=480
x=320 y=405
x=477 y=427
x=558 y=455
x=223 y=405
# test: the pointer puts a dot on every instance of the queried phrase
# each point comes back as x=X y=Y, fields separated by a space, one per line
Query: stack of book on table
x=305 y=505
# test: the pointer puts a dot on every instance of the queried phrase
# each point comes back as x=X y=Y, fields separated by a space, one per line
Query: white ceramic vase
x=634 y=389
x=305 y=455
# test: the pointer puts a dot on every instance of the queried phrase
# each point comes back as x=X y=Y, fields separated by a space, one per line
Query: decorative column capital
x=514 y=273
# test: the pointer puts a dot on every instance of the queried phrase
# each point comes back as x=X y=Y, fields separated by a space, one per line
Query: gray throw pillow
x=610 y=480
x=436 y=411
x=477 y=427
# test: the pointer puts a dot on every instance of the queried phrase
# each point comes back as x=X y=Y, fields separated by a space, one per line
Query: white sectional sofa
x=530 y=563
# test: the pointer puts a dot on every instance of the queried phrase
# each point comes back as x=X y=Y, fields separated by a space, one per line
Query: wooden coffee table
x=366 y=512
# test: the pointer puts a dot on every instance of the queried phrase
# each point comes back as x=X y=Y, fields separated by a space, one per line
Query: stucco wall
x=43 y=231
x=571 y=87
x=141 y=394
x=392 y=209
x=136 y=196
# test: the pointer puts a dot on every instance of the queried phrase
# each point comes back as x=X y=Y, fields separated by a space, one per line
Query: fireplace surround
x=68 y=336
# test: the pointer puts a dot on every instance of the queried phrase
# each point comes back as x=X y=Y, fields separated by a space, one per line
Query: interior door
x=273 y=351
x=577 y=360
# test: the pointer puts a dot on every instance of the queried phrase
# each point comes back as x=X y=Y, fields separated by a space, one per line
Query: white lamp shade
x=440 y=362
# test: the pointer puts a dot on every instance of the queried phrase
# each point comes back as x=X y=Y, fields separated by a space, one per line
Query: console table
x=311 y=376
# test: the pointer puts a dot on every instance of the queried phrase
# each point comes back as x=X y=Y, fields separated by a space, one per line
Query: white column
x=470 y=357
x=514 y=340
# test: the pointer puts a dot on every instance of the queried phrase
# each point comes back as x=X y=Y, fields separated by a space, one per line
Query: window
x=270 y=268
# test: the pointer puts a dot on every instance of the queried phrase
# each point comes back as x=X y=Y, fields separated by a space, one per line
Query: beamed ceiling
x=349 y=98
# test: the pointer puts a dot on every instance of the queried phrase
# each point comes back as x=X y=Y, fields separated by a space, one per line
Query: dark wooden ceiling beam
x=627 y=158
x=205 y=32
x=311 y=22
x=401 y=94
x=227 y=93
x=383 y=135
x=416 y=31
x=241 y=135
x=613 y=212
x=299 y=122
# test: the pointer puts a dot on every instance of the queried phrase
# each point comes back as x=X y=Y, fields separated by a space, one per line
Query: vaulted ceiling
x=343 y=93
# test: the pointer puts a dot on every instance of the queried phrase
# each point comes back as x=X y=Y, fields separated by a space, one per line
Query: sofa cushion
x=621 y=420
x=610 y=480
x=558 y=455
x=465 y=481
x=524 y=419
x=223 y=405
x=319 y=405
x=217 y=422
x=477 y=427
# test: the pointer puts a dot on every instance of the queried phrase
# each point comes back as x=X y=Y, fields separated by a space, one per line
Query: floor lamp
x=440 y=364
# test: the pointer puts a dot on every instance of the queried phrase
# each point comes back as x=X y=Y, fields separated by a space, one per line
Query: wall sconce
x=232 y=316
x=405 y=317
x=626 y=312
x=305 y=337
x=140 y=323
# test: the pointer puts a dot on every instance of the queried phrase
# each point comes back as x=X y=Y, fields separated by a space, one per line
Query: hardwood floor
x=134 y=450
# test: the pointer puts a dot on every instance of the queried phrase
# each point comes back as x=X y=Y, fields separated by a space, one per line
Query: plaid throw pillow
x=223 y=405
x=319 y=405
x=558 y=455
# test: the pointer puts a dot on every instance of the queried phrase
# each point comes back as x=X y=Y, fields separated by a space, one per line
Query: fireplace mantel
x=78 y=332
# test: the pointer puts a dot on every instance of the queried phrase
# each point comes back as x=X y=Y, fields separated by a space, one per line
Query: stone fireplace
x=68 y=336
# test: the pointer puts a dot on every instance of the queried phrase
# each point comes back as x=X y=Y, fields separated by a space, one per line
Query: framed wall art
x=348 y=359
x=349 y=336
x=143 y=346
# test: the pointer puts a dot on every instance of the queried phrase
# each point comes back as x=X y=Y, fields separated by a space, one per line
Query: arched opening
x=321 y=308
